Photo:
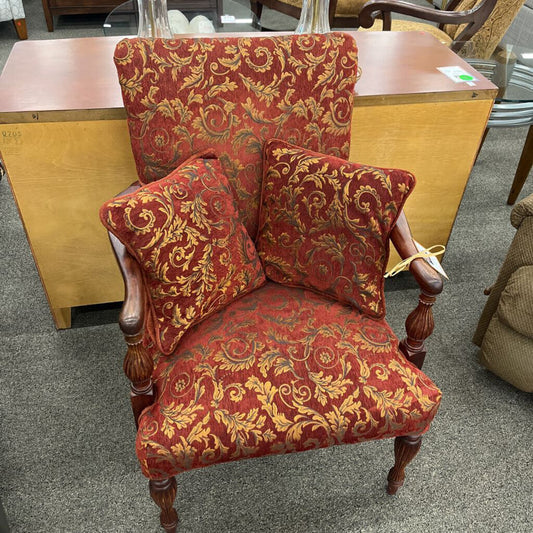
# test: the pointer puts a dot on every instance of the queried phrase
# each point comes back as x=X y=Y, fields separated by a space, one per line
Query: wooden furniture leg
x=405 y=449
x=163 y=493
x=48 y=16
x=485 y=133
x=524 y=166
x=21 y=28
x=62 y=317
x=419 y=326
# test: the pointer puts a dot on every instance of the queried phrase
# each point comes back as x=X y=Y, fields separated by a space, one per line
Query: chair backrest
x=229 y=95
x=485 y=40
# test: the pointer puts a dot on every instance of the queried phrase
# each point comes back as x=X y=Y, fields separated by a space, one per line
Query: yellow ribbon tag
x=424 y=253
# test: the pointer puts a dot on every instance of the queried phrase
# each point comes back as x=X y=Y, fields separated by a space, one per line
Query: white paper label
x=458 y=75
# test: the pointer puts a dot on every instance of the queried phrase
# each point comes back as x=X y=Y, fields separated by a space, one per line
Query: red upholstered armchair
x=253 y=256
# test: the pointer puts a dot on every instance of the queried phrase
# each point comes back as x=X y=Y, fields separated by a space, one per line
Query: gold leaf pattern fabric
x=488 y=37
x=280 y=370
x=231 y=94
x=325 y=222
x=195 y=253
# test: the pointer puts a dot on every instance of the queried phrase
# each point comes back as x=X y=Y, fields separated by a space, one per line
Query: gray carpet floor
x=67 y=460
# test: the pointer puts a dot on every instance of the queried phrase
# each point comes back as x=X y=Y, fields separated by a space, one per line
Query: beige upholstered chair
x=482 y=23
x=14 y=10
x=505 y=329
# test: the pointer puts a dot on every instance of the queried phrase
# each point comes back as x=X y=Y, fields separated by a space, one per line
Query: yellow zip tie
x=432 y=251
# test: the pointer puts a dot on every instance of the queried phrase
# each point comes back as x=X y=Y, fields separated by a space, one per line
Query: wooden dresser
x=66 y=146
x=54 y=8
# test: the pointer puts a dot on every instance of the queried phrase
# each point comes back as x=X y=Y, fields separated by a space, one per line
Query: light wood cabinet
x=66 y=146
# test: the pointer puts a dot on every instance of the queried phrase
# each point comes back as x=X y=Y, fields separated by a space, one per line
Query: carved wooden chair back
x=480 y=23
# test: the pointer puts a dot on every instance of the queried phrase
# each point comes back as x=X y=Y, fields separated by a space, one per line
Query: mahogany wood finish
x=419 y=324
x=405 y=449
x=54 y=8
x=523 y=169
x=473 y=18
x=163 y=493
x=138 y=364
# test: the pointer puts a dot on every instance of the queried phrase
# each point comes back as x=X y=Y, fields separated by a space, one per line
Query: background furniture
x=489 y=21
x=68 y=144
x=342 y=13
x=54 y=8
x=124 y=19
x=514 y=104
x=14 y=10
x=520 y=33
x=505 y=328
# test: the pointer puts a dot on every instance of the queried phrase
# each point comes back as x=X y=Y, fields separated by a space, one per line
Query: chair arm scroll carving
x=473 y=18
x=419 y=324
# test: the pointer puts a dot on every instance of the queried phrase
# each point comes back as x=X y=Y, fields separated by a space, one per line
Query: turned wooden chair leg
x=405 y=449
x=163 y=493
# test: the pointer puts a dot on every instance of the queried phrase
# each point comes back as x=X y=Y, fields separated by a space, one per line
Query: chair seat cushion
x=279 y=370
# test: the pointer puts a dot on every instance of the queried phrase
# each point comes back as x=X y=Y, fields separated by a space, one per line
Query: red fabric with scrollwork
x=325 y=222
x=280 y=370
x=195 y=253
x=231 y=94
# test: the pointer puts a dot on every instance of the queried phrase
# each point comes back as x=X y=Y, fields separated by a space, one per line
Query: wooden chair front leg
x=138 y=366
x=163 y=493
x=419 y=326
x=405 y=449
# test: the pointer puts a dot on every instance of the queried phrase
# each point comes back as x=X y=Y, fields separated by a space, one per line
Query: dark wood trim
x=163 y=492
x=523 y=169
x=473 y=18
x=21 y=28
x=405 y=450
x=419 y=324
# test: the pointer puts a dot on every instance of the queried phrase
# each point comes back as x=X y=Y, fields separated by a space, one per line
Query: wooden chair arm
x=428 y=279
x=419 y=324
x=131 y=318
x=138 y=364
x=474 y=18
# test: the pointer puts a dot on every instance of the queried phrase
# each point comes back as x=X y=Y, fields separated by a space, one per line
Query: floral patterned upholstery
x=324 y=223
x=195 y=253
x=235 y=93
x=279 y=370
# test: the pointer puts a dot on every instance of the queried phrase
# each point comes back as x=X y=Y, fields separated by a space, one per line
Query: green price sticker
x=466 y=77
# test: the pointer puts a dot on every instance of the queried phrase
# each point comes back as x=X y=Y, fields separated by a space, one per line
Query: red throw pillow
x=325 y=223
x=195 y=253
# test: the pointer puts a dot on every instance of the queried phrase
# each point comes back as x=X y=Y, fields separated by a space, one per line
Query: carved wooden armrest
x=473 y=18
x=419 y=324
x=138 y=364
